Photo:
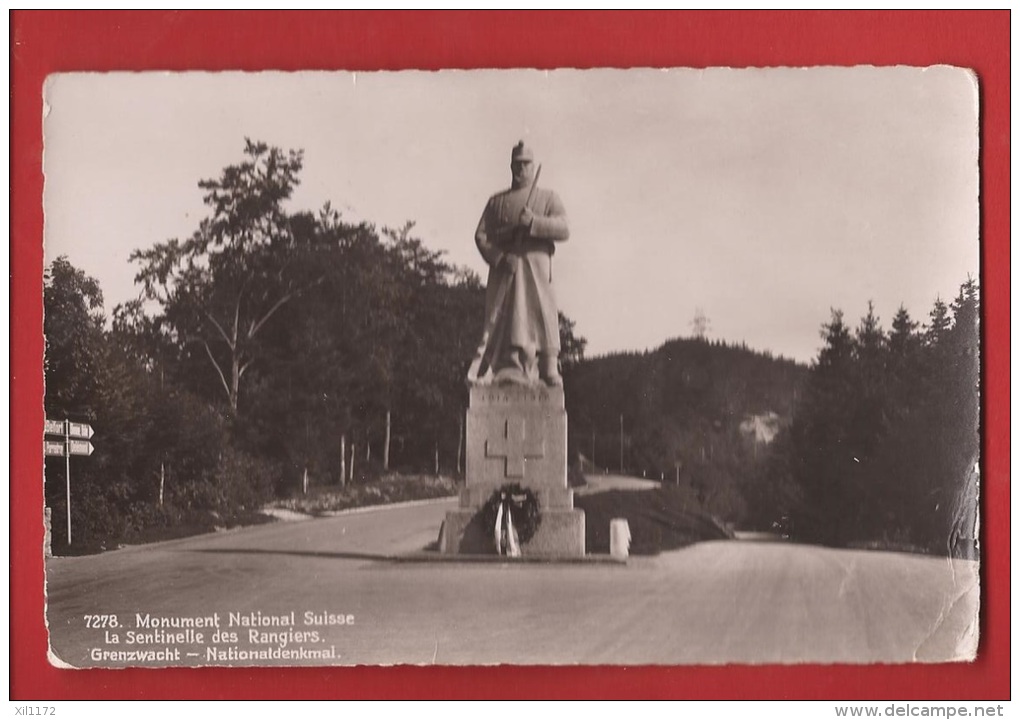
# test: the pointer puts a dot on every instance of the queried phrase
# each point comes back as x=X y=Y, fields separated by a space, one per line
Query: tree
x=837 y=353
x=871 y=341
x=386 y=335
x=445 y=307
x=821 y=453
x=73 y=326
x=938 y=327
x=884 y=446
x=871 y=418
x=572 y=345
x=960 y=411
x=324 y=361
x=903 y=340
x=89 y=379
x=219 y=288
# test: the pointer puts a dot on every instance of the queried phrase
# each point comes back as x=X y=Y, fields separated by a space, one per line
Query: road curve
x=715 y=602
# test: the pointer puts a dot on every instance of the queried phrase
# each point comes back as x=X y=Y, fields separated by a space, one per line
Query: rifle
x=518 y=240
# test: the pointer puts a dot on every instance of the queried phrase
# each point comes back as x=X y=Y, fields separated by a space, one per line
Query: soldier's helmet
x=522 y=152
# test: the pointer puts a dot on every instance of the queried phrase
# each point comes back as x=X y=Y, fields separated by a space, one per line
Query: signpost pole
x=67 y=459
x=80 y=445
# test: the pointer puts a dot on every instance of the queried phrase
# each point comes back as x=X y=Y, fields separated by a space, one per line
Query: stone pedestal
x=517 y=434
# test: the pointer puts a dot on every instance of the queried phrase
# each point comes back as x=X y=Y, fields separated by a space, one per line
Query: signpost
x=74 y=440
x=79 y=430
x=53 y=448
x=79 y=447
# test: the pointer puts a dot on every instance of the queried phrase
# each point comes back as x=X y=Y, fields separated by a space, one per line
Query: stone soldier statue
x=517 y=236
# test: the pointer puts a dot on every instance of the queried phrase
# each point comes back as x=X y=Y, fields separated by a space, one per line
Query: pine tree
x=939 y=323
x=821 y=461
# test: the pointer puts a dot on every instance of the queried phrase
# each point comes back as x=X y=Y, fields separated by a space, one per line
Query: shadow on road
x=303 y=553
x=426 y=555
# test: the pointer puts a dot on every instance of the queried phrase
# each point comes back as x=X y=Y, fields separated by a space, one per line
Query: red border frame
x=45 y=42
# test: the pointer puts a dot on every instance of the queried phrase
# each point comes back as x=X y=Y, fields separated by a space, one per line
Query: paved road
x=602 y=483
x=716 y=602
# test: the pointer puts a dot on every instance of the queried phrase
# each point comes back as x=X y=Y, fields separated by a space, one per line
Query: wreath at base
x=511 y=515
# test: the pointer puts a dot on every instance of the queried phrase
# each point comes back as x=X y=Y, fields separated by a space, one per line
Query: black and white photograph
x=512 y=367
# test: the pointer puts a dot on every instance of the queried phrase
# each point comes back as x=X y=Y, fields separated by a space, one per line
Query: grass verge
x=384 y=491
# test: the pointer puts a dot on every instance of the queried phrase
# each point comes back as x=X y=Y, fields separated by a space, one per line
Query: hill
x=699 y=414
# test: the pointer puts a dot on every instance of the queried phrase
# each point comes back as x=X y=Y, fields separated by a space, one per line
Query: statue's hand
x=527 y=218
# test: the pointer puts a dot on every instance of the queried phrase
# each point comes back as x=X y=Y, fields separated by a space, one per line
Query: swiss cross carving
x=521 y=441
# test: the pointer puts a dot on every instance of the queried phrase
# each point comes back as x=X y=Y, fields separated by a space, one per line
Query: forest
x=884 y=447
x=681 y=414
x=273 y=351
x=876 y=444
x=268 y=351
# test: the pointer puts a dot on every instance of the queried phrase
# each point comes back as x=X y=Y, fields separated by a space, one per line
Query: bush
x=244 y=482
x=387 y=490
x=239 y=481
x=96 y=520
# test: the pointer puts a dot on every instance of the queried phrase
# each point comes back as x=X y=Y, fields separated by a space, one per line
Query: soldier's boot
x=548 y=370
x=514 y=370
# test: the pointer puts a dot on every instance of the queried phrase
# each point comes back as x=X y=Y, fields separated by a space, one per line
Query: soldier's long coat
x=520 y=300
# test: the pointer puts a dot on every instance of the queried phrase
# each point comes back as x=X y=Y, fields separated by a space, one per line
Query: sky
x=762 y=198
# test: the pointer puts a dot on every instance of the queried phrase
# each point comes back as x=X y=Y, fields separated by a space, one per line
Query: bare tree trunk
x=354 y=450
x=304 y=482
x=386 y=446
x=368 y=451
x=437 y=458
x=343 y=460
x=235 y=383
x=460 y=440
x=162 y=464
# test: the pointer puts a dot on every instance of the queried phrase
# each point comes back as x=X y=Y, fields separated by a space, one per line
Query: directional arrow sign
x=53 y=448
x=79 y=447
x=54 y=427
x=79 y=430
